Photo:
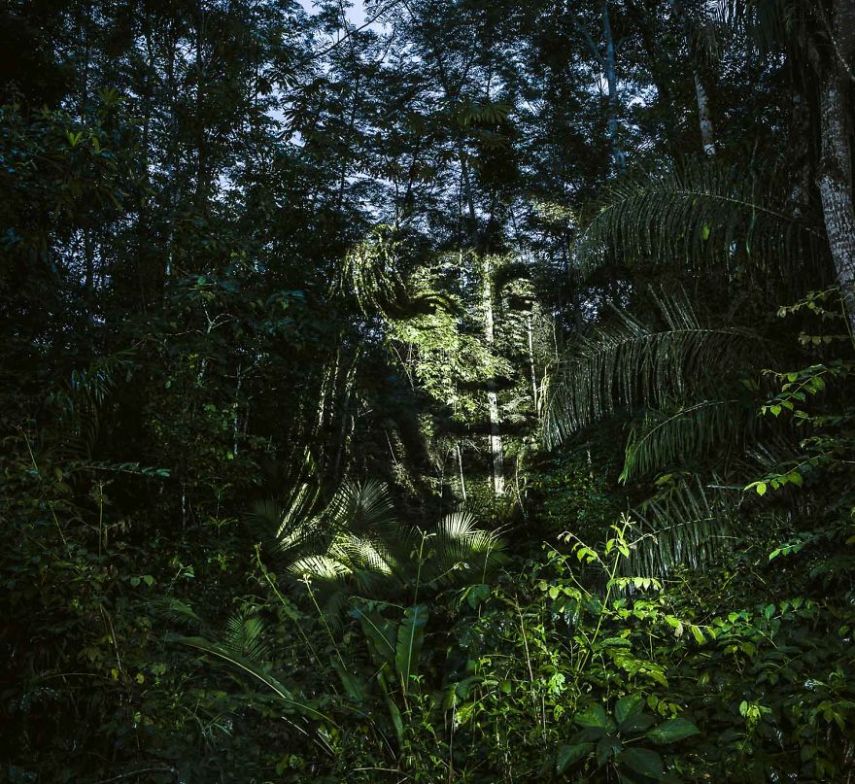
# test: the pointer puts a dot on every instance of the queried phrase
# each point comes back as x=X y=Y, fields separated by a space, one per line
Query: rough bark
x=835 y=177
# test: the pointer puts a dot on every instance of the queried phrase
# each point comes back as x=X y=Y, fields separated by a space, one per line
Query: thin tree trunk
x=532 y=366
x=496 y=454
x=704 y=117
x=835 y=177
x=610 y=64
x=460 y=466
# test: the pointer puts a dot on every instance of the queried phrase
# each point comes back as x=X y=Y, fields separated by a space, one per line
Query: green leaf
x=636 y=724
x=477 y=594
x=608 y=747
x=380 y=634
x=353 y=686
x=570 y=754
x=672 y=730
x=411 y=633
x=628 y=706
x=644 y=761
x=593 y=716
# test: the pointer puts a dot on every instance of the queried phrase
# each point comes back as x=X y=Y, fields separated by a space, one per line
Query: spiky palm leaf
x=698 y=215
x=372 y=273
x=627 y=363
x=322 y=567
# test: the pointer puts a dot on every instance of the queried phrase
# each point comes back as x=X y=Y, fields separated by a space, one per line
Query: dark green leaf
x=672 y=730
x=570 y=754
x=644 y=761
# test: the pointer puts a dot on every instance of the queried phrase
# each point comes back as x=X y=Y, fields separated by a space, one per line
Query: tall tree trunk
x=835 y=176
x=496 y=454
x=704 y=116
x=610 y=66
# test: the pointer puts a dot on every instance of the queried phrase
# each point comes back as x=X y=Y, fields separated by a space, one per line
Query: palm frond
x=363 y=553
x=361 y=506
x=461 y=550
x=321 y=567
x=662 y=439
x=688 y=523
x=251 y=668
x=627 y=363
x=245 y=637
x=173 y=610
x=700 y=215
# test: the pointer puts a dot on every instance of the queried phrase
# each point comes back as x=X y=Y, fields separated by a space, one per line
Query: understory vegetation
x=427 y=391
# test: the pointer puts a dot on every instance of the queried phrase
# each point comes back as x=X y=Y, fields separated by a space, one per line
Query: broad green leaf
x=593 y=716
x=698 y=634
x=589 y=734
x=628 y=706
x=637 y=723
x=672 y=730
x=608 y=747
x=644 y=761
x=380 y=635
x=353 y=686
x=570 y=754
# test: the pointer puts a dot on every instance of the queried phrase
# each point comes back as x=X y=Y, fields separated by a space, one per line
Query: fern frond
x=628 y=364
x=698 y=215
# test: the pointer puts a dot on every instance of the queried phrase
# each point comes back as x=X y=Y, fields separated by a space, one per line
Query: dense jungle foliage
x=432 y=391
